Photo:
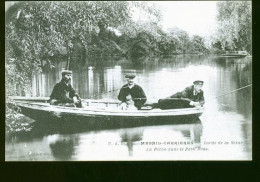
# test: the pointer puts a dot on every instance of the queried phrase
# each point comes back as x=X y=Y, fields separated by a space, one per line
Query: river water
x=223 y=132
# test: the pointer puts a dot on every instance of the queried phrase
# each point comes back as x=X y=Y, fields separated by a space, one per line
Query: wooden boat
x=237 y=54
x=100 y=111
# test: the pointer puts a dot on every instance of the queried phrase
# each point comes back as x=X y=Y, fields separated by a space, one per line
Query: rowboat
x=100 y=111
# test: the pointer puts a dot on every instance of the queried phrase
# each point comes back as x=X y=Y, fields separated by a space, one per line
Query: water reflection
x=89 y=145
x=227 y=118
x=192 y=132
x=131 y=136
x=172 y=74
x=44 y=128
x=62 y=148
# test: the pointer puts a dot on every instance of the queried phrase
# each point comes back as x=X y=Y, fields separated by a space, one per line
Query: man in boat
x=63 y=93
x=136 y=92
x=191 y=96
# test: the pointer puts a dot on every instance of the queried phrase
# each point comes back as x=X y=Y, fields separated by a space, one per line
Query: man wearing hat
x=134 y=90
x=191 y=96
x=63 y=94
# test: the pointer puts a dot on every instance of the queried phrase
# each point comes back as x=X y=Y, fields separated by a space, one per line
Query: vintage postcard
x=128 y=80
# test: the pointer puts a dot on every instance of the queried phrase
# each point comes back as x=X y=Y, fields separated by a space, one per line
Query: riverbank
x=17 y=123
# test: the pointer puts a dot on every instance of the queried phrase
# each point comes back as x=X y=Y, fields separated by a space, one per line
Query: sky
x=195 y=17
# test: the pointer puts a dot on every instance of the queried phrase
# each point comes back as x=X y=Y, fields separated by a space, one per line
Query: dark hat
x=198 y=82
x=66 y=72
x=131 y=76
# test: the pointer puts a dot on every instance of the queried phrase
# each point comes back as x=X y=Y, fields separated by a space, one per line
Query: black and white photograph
x=128 y=81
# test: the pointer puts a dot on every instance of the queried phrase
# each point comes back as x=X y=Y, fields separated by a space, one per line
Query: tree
x=197 y=44
x=168 y=44
x=235 y=25
x=39 y=32
x=181 y=37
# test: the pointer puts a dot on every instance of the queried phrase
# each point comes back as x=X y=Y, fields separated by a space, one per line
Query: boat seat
x=146 y=108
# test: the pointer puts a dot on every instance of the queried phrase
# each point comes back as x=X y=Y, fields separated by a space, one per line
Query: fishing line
x=103 y=93
x=213 y=98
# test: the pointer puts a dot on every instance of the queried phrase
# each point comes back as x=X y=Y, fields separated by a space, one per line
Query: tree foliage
x=40 y=33
x=234 y=25
x=197 y=44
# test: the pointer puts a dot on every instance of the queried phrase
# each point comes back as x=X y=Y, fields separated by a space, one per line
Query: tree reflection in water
x=192 y=132
x=63 y=147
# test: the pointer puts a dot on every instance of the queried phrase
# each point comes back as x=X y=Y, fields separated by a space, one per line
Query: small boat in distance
x=234 y=54
x=99 y=111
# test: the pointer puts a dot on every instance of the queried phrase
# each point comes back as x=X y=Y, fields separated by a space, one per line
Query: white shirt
x=195 y=93
x=131 y=86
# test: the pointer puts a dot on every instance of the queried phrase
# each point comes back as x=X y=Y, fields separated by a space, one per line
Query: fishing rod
x=103 y=93
x=213 y=98
x=208 y=99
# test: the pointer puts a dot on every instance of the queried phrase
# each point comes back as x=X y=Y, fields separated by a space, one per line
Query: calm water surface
x=227 y=119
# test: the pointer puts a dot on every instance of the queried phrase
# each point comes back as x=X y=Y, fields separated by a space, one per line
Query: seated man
x=191 y=96
x=63 y=94
x=134 y=90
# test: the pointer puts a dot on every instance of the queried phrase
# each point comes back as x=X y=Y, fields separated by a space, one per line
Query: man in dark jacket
x=63 y=94
x=134 y=90
x=191 y=96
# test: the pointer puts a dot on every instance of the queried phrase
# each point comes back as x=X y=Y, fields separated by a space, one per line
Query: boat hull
x=42 y=115
x=46 y=113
